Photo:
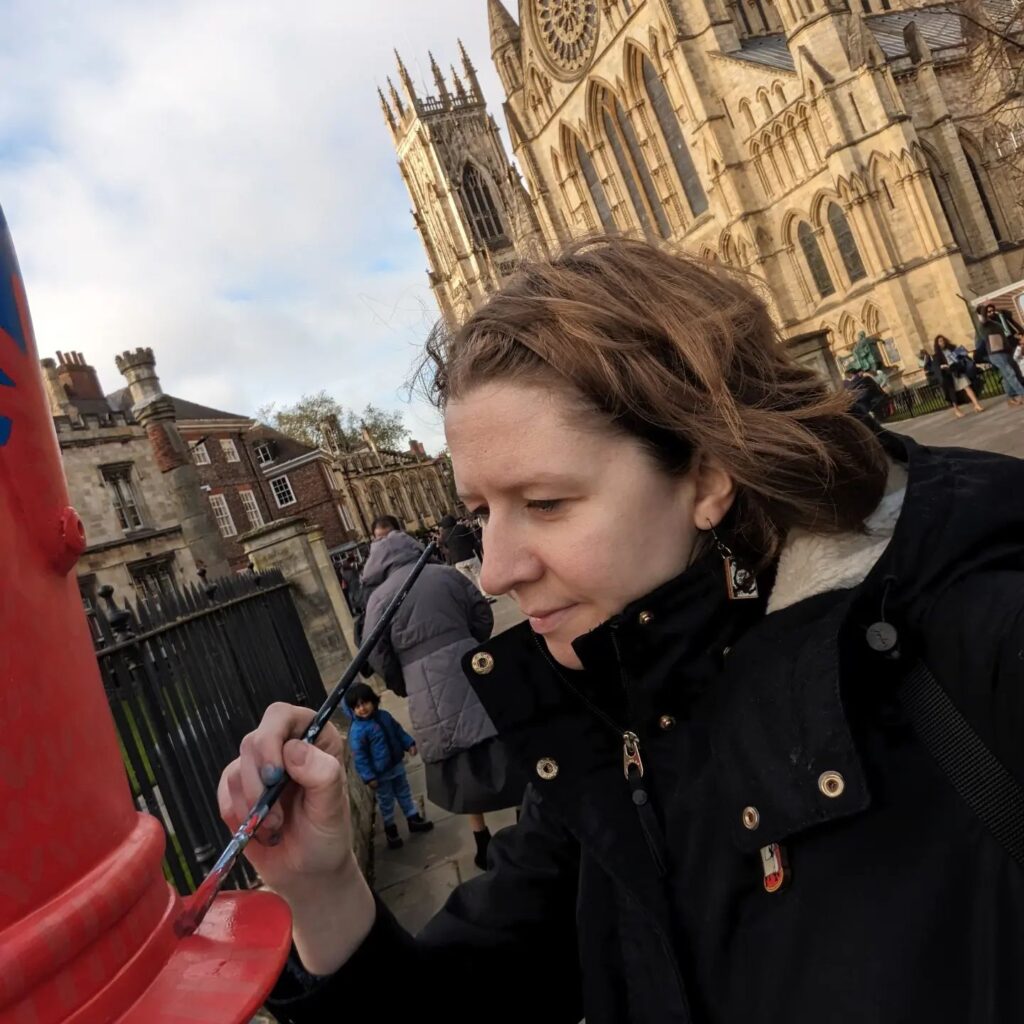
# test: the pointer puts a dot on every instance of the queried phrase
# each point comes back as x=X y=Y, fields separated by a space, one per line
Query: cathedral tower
x=472 y=212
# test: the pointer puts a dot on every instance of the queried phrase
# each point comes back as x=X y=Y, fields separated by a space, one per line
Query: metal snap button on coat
x=666 y=722
x=547 y=768
x=751 y=818
x=645 y=618
x=831 y=784
x=482 y=663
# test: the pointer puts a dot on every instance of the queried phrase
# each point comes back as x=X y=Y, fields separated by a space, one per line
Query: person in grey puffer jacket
x=443 y=617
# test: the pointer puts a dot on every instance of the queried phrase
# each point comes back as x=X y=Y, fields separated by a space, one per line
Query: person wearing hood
x=443 y=617
x=774 y=732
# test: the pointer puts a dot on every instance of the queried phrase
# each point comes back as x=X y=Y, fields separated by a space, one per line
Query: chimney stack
x=78 y=378
x=60 y=404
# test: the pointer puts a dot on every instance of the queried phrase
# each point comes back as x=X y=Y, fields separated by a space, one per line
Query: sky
x=214 y=179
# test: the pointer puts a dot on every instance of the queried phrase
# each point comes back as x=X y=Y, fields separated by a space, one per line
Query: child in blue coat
x=379 y=745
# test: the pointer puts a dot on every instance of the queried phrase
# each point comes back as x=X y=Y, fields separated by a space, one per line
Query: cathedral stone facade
x=837 y=150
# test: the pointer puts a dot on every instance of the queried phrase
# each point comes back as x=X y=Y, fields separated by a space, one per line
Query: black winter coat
x=647 y=902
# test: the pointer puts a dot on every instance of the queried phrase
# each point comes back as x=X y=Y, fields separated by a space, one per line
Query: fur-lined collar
x=814 y=563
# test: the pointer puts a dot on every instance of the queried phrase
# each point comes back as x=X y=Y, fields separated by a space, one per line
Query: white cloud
x=213 y=178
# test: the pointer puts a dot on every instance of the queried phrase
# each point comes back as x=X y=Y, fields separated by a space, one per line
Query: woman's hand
x=303 y=849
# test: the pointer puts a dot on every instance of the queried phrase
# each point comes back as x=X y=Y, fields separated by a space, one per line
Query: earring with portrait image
x=740 y=583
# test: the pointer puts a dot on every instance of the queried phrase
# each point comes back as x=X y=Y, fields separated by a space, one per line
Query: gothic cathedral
x=836 y=153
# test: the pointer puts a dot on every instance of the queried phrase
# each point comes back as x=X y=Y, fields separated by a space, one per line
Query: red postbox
x=86 y=916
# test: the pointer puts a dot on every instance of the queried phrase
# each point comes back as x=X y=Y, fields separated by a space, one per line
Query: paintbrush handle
x=204 y=896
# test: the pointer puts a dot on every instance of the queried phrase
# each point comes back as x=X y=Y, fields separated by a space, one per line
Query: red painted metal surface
x=86 y=917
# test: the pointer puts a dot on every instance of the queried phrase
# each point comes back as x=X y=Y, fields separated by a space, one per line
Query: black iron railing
x=188 y=673
x=919 y=401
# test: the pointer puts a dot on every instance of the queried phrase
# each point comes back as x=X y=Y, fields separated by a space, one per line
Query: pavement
x=1000 y=428
x=416 y=880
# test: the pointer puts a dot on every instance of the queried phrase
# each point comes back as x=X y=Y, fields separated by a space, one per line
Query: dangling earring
x=740 y=583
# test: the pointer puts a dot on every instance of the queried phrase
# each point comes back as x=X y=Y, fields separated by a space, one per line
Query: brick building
x=252 y=474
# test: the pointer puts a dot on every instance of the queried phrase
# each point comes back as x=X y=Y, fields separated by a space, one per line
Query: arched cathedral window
x=846 y=243
x=628 y=178
x=815 y=260
x=985 y=201
x=483 y=214
x=640 y=163
x=946 y=200
x=668 y=121
x=594 y=186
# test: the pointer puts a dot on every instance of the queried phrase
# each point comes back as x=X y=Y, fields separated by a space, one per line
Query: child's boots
x=394 y=839
x=417 y=823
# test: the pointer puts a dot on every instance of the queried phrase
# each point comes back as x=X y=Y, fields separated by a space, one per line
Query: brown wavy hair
x=683 y=355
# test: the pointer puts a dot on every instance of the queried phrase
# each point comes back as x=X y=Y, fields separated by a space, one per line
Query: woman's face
x=578 y=519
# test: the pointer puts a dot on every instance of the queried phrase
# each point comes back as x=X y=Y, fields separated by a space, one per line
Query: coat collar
x=779 y=721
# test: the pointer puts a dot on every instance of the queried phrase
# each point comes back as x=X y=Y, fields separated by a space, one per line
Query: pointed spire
x=442 y=86
x=403 y=77
x=504 y=30
x=460 y=89
x=395 y=98
x=402 y=73
x=389 y=114
x=467 y=66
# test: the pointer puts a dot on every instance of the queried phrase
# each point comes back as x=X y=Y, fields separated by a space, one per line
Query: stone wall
x=285 y=545
x=85 y=448
x=87 y=445
x=299 y=551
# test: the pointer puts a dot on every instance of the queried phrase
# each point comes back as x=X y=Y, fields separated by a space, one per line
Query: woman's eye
x=481 y=513
x=547 y=505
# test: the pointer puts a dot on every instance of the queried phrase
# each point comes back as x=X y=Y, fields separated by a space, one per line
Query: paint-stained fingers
x=261 y=760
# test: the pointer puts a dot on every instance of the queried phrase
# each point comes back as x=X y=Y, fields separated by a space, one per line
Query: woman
x=1002 y=333
x=726 y=578
x=955 y=365
x=443 y=617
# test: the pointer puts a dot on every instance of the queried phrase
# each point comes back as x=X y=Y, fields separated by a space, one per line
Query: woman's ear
x=714 y=492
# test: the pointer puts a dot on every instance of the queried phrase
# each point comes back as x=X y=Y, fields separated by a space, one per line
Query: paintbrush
x=192 y=916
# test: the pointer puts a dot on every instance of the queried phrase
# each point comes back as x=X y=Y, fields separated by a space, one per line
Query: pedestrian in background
x=350 y=585
x=379 y=745
x=1001 y=338
x=958 y=371
x=461 y=549
x=868 y=396
x=443 y=617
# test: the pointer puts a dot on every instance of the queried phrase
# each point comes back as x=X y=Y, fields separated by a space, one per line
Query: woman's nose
x=507 y=562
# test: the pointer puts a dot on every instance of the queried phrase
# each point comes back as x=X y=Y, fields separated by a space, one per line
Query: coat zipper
x=632 y=762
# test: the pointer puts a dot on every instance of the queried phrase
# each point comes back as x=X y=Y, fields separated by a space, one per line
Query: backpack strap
x=980 y=778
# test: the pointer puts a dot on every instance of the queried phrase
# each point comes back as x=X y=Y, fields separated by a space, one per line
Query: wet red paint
x=86 y=917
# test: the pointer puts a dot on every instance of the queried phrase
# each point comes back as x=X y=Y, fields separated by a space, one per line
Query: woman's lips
x=548 y=622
